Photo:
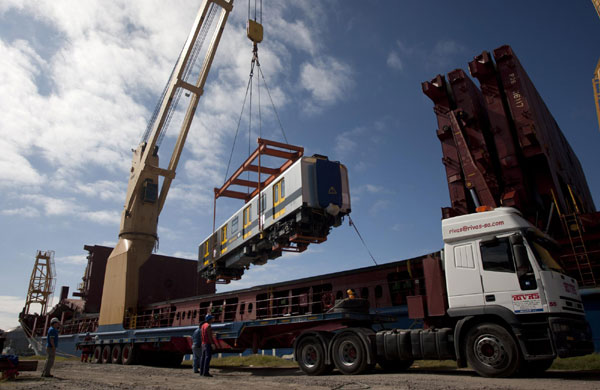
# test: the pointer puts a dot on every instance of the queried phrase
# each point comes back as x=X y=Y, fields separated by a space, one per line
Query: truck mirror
x=521 y=260
x=516 y=239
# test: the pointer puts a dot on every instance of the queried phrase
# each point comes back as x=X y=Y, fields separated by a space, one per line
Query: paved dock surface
x=74 y=375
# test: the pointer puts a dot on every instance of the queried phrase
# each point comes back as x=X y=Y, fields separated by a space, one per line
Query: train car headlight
x=333 y=209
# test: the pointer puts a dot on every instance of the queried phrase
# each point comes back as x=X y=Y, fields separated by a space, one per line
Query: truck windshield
x=545 y=252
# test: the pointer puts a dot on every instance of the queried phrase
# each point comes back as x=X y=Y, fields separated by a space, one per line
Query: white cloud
x=28 y=212
x=10 y=307
x=74 y=259
x=103 y=189
x=78 y=92
x=103 y=217
x=70 y=207
x=327 y=79
x=394 y=61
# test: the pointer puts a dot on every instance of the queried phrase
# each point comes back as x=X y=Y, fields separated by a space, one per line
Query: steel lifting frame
x=289 y=153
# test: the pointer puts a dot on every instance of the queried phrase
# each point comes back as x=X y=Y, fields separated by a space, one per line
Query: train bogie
x=298 y=208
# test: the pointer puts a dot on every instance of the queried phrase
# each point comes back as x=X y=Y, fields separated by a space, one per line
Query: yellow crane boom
x=143 y=203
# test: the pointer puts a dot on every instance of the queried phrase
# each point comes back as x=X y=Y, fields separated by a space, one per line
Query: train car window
x=206 y=249
x=263 y=204
x=250 y=307
x=279 y=192
x=234 y=225
x=364 y=293
x=195 y=313
x=242 y=307
x=223 y=234
x=378 y=291
x=247 y=216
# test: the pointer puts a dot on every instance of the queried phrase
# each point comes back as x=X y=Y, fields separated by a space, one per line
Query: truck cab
x=500 y=269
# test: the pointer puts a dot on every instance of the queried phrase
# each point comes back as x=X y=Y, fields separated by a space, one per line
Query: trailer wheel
x=311 y=356
x=492 y=351
x=395 y=365
x=106 y=354
x=128 y=354
x=349 y=354
x=115 y=354
x=97 y=356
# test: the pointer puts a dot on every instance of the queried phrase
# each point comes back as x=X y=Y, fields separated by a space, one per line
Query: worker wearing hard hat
x=51 y=344
x=351 y=294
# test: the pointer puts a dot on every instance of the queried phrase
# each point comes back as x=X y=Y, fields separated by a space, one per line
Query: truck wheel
x=106 y=354
x=128 y=355
x=395 y=365
x=535 y=367
x=97 y=356
x=349 y=354
x=311 y=356
x=492 y=351
x=115 y=355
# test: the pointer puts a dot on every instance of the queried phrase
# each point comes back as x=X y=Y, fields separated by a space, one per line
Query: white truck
x=496 y=298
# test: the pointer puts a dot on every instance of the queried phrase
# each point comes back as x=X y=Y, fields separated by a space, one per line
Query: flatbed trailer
x=169 y=345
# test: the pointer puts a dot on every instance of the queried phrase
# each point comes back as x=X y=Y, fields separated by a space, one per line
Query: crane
x=596 y=78
x=144 y=201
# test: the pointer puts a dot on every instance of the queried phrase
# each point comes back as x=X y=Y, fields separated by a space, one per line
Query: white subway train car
x=298 y=208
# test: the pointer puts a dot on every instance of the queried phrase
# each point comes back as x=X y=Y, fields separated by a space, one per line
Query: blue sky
x=79 y=81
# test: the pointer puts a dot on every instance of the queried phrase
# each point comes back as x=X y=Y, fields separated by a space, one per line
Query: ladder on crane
x=575 y=230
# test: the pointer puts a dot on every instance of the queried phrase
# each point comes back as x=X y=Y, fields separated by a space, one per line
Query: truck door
x=507 y=275
x=463 y=279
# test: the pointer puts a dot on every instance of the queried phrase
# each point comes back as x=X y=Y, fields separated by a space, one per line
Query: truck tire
x=97 y=356
x=492 y=351
x=349 y=354
x=115 y=354
x=128 y=354
x=395 y=365
x=311 y=356
x=106 y=354
x=534 y=368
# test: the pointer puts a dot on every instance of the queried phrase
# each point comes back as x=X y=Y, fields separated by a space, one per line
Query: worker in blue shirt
x=51 y=344
x=197 y=347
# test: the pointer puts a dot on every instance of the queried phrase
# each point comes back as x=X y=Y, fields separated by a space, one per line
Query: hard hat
x=208 y=317
x=54 y=320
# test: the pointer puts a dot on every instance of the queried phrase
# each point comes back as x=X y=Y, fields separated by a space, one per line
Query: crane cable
x=254 y=63
x=363 y=241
